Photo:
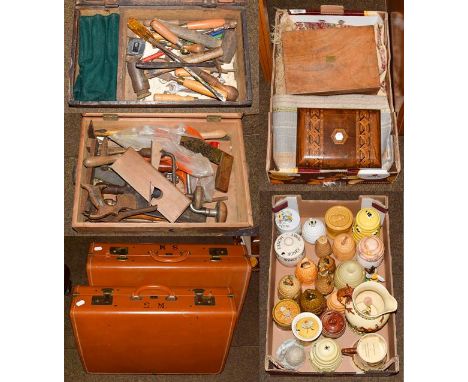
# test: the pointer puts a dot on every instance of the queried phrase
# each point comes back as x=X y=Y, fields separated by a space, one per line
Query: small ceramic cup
x=325 y=355
x=312 y=229
x=306 y=327
x=369 y=353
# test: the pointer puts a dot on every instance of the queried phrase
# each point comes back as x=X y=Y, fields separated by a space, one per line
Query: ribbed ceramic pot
x=306 y=271
x=312 y=301
x=325 y=355
x=334 y=324
x=289 y=249
x=370 y=252
x=334 y=304
x=349 y=273
x=344 y=247
x=289 y=287
x=288 y=220
x=306 y=326
x=291 y=354
x=367 y=223
x=326 y=266
x=338 y=219
x=284 y=312
x=312 y=229
x=323 y=247
x=325 y=284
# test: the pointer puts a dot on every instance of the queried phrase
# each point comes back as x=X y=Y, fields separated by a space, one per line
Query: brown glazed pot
x=325 y=284
x=312 y=301
x=334 y=324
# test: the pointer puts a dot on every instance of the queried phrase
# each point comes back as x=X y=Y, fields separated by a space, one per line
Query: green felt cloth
x=98 y=56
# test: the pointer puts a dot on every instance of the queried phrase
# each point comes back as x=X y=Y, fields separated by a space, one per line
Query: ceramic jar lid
x=306 y=326
x=289 y=249
x=325 y=355
x=289 y=287
x=290 y=354
x=351 y=273
x=306 y=271
x=338 y=219
x=288 y=220
x=344 y=247
x=334 y=324
x=284 y=313
x=312 y=229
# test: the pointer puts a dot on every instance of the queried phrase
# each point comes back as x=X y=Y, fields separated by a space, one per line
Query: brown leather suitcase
x=338 y=138
x=153 y=329
x=200 y=265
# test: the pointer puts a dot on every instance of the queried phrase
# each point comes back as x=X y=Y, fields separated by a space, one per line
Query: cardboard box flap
x=202 y=3
x=208 y=116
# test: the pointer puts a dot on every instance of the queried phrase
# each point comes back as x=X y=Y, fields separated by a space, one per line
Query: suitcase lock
x=105 y=299
x=200 y=299
x=216 y=253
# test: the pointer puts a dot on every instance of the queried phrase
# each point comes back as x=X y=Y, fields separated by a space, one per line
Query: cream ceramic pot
x=325 y=355
x=369 y=307
x=369 y=353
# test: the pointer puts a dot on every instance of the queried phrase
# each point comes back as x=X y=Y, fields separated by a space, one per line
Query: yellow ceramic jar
x=367 y=223
x=338 y=219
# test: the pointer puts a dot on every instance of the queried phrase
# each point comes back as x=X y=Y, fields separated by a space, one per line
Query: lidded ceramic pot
x=289 y=249
x=367 y=223
x=370 y=252
x=306 y=327
x=325 y=355
x=344 y=247
x=291 y=354
x=312 y=301
x=326 y=266
x=288 y=220
x=322 y=247
x=284 y=312
x=338 y=219
x=334 y=304
x=349 y=273
x=325 y=284
x=289 y=287
x=334 y=324
x=312 y=229
x=306 y=271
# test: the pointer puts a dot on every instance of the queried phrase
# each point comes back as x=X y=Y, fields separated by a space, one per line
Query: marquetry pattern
x=314 y=136
x=363 y=143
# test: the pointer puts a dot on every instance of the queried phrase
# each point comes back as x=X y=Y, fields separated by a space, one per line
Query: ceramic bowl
x=291 y=354
x=312 y=229
x=288 y=220
x=325 y=355
x=289 y=249
x=349 y=273
x=306 y=327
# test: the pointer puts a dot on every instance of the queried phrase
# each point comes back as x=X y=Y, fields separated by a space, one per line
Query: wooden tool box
x=185 y=10
x=289 y=101
x=275 y=336
x=239 y=210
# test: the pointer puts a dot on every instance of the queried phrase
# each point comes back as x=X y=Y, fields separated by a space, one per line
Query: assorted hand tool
x=188 y=50
x=136 y=178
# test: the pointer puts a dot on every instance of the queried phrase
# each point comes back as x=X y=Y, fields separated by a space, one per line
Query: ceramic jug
x=368 y=308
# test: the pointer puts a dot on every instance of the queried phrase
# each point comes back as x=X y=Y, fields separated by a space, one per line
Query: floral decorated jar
x=312 y=301
x=289 y=249
x=284 y=312
x=306 y=327
x=338 y=219
x=370 y=252
x=289 y=287
x=306 y=271
x=288 y=220
x=344 y=247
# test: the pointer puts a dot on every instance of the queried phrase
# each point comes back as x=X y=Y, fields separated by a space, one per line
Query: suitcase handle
x=168 y=259
x=136 y=294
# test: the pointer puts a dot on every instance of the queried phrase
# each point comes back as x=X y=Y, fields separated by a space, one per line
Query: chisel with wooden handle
x=199 y=88
x=162 y=30
x=209 y=24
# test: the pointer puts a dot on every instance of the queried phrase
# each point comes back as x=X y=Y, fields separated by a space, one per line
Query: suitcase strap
x=136 y=294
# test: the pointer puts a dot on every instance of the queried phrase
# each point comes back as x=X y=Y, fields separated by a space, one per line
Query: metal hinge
x=200 y=299
x=110 y=117
x=210 y=3
x=105 y=299
x=213 y=118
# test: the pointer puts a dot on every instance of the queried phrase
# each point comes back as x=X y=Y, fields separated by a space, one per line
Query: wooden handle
x=172 y=97
x=195 y=48
x=199 y=88
x=165 y=32
x=349 y=351
x=202 y=57
x=205 y=24
x=213 y=134
x=100 y=160
x=231 y=92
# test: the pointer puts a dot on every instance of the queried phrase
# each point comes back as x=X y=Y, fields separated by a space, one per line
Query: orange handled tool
x=205 y=24
x=168 y=35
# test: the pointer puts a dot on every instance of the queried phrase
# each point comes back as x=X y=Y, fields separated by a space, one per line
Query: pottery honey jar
x=338 y=219
x=288 y=220
x=284 y=313
x=323 y=247
x=312 y=229
x=349 y=273
x=306 y=271
x=289 y=287
x=334 y=324
x=312 y=301
x=289 y=249
x=370 y=252
x=344 y=247
x=325 y=355
x=367 y=223
x=333 y=303
x=291 y=354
